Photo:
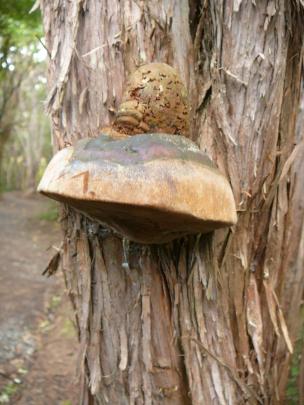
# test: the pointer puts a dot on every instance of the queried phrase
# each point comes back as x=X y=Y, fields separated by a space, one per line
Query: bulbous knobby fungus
x=150 y=188
x=155 y=100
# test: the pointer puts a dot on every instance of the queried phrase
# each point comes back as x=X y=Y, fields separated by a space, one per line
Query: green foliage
x=50 y=215
x=66 y=402
x=18 y=29
x=7 y=392
x=20 y=53
x=68 y=330
x=43 y=161
x=45 y=326
x=24 y=128
x=54 y=302
x=17 y=23
x=28 y=149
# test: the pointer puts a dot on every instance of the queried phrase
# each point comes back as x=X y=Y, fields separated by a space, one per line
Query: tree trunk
x=207 y=319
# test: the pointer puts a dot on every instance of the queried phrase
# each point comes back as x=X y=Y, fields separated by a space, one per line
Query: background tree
x=26 y=152
x=210 y=319
x=18 y=45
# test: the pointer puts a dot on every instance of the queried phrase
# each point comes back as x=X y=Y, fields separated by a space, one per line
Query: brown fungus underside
x=150 y=188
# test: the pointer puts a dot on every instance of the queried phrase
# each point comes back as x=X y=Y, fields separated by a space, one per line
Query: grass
x=68 y=329
x=45 y=326
x=50 y=214
x=54 y=302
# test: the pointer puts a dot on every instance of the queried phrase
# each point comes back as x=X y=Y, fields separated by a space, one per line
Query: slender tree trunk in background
x=4 y=136
x=206 y=320
x=9 y=98
x=33 y=145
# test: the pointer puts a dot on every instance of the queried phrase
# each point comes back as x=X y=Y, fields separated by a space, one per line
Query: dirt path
x=37 y=341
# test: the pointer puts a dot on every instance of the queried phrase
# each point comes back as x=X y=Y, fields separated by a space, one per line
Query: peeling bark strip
x=202 y=320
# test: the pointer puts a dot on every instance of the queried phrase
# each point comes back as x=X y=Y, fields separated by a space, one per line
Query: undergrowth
x=292 y=391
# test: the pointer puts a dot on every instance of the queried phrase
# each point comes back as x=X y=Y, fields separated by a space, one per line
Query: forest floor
x=38 y=345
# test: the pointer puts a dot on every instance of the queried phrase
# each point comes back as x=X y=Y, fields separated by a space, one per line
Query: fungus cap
x=150 y=188
x=155 y=100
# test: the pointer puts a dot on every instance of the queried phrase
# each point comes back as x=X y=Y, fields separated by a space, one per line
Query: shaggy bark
x=206 y=319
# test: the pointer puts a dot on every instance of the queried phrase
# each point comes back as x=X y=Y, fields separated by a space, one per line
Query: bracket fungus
x=151 y=187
